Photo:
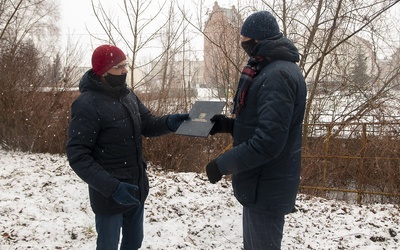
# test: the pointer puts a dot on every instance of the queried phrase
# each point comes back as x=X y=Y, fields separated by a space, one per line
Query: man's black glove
x=222 y=124
x=123 y=195
x=175 y=120
x=213 y=173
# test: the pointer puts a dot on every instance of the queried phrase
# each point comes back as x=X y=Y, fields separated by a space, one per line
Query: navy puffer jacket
x=104 y=143
x=266 y=158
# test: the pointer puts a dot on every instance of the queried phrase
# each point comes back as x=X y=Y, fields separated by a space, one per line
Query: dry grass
x=38 y=121
x=35 y=121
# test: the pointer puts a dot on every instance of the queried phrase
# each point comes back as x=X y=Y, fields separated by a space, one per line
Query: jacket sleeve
x=82 y=133
x=275 y=100
x=152 y=125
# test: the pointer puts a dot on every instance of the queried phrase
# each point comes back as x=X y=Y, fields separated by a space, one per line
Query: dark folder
x=198 y=123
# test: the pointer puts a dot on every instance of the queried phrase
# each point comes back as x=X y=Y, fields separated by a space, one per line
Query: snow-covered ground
x=44 y=205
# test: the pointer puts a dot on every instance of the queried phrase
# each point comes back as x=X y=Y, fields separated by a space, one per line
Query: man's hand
x=175 y=120
x=123 y=195
x=222 y=124
x=213 y=173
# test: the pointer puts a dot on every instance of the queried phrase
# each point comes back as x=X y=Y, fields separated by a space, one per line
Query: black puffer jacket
x=266 y=157
x=104 y=141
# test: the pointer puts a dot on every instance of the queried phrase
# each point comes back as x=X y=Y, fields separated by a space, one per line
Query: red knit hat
x=106 y=56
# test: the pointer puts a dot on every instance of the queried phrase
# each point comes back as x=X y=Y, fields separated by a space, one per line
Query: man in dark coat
x=104 y=147
x=265 y=159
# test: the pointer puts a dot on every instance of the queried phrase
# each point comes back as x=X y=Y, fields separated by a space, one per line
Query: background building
x=223 y=56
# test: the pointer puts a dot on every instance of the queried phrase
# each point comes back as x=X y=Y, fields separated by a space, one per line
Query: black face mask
x=115 y=80
x=248 y=46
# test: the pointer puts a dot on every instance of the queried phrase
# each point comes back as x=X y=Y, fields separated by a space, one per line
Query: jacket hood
x=277 y=49
x=91 y=82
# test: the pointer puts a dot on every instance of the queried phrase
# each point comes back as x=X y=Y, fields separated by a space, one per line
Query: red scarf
x=246 y=78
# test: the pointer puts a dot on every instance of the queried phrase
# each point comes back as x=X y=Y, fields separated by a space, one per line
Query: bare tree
x=135 y=30
x=223 y=56
x=70 y=71
x=165 y=34
x=27 y=27
x=33 y=117
x=331 y=37
x=28 y=20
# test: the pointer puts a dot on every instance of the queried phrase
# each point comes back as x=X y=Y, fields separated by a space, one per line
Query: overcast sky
x=77 y=15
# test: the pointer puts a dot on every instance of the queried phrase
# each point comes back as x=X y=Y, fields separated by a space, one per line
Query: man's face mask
x=115 y=80
x=248 y=46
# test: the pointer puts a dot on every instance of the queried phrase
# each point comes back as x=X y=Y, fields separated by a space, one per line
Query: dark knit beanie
x=260 y=25
x=106 y=56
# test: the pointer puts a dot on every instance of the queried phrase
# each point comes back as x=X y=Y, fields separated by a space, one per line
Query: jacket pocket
x=245 y=187
x=144 y=184
x=103 y=205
